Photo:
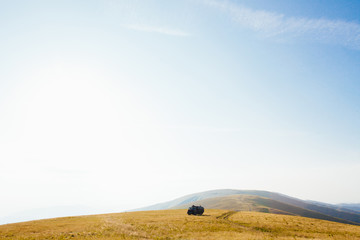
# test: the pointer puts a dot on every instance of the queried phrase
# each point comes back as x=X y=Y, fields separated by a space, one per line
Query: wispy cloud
x=160 y=30
x=276 y=25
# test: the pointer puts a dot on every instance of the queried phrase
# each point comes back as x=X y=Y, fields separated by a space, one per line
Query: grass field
x=176 y=224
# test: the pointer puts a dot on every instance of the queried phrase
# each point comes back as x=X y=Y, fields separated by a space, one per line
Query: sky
x=116 y=105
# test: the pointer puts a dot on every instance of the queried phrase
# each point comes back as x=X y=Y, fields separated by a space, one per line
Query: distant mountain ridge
x=352 y=206
x=262 y=201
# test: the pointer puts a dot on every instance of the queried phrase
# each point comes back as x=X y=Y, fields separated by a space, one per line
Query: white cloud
x=154 y=29
x=276 y=25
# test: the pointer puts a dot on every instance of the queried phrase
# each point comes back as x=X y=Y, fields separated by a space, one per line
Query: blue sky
x=121 y=104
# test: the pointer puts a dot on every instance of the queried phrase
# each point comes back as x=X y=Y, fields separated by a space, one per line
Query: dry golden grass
x=176 y=224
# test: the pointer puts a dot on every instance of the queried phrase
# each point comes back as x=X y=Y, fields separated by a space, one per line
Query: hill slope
x=176 y=224
x=324 y=209
x=352 y=206
x=260 y=204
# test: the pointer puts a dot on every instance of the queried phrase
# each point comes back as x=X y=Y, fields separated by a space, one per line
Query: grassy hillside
x=327 y=209
x=333 y=212
x=176 y=224
x=260 y=204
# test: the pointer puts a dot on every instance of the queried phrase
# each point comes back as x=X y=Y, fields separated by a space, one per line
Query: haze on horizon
x=117 y=105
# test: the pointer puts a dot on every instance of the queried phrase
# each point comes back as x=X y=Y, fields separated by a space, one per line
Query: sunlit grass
x=176 y=224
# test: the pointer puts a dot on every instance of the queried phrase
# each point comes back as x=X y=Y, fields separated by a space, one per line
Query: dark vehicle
x=195 y=210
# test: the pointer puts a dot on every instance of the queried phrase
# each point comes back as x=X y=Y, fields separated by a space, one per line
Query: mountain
x=199 y=196
x=352 y=206
x=260 y=204
x=279 y=203
x=341 y=207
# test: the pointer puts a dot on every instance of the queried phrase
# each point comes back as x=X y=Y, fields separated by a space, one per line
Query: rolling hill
x=352 y=206
x=260 y=204
x=274 y=202
x=176 y=224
